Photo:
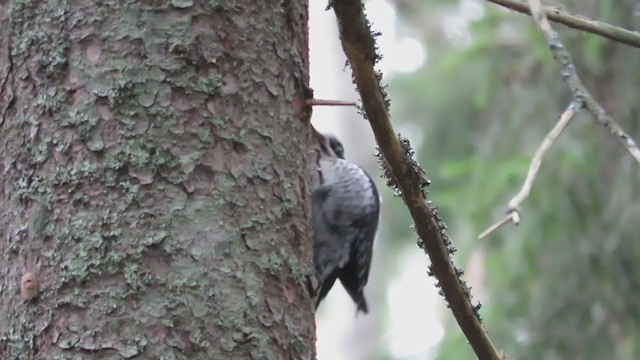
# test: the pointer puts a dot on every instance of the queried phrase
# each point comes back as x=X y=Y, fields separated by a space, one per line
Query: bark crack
x=6 y=91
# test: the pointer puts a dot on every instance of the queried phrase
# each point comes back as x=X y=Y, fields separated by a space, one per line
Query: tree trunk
x=152 y=161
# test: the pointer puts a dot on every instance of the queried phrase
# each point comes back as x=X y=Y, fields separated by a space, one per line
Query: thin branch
x=359 y=47
x=548 y=141
x=570 y=76
x=603 y=29
x=321 y=102
x=581 y=98
x=511 y=217
x=513 y=212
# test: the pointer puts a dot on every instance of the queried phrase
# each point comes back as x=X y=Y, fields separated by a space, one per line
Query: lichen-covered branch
x=570 y=76
x=581 y=99
x=600 y=28
x=405 y=174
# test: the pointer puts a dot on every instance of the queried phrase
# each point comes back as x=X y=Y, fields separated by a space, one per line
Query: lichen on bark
x=153 y=176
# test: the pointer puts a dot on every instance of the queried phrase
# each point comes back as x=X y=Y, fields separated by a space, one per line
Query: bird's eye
x=337 y=148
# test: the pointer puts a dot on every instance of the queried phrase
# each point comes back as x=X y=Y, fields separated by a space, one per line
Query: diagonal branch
x=603 y=29
x=551 y=138
x=359 y=47
x=570 y=76
x=581 y=98
x=513 y=211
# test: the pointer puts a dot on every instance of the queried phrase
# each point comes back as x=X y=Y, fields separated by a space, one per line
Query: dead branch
x=513 y=211
x=596 y=27
x=570 y=76
x=359 y=47
x=581 y=98
x=321 y=102
x=548 y=141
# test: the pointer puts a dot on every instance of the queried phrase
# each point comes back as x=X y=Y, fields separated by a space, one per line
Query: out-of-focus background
x=474 y=87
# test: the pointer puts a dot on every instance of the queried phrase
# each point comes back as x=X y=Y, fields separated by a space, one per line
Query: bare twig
x=581 y=98
x=359 y=47
x=603 y=29
x=512 y=216
x=321 y=102
x=513 y=212
x=549 y=140
x=570 y=76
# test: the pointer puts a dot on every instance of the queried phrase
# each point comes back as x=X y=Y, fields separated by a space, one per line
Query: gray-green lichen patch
x=73 y=176
x=146 y=96
x=50 y=101
x=227 y=5
x=96 y=142
x=211 y=84
x=182 y=4
x=52 y=45
x=135 y=154
x=271 y=263
x=299 y=271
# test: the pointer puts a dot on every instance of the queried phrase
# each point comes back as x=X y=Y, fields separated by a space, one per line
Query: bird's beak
x=321 y=141
x=318 y=135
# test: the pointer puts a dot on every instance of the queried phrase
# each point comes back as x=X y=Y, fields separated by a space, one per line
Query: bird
x=345 y=212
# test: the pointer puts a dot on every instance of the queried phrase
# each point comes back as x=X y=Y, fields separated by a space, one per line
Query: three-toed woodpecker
x=345 y=209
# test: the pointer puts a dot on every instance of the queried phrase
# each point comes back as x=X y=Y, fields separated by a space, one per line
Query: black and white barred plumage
x=345 y=208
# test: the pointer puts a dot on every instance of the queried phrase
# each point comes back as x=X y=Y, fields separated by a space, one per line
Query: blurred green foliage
x=565 y=284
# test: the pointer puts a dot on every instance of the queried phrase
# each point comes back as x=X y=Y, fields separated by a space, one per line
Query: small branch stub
x=512 y=216
x=321 y=102
x=29 y=286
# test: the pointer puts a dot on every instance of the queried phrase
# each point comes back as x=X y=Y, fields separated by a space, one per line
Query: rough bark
x=152 y=177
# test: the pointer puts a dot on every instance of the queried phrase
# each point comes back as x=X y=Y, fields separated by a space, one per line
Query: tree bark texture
x=152 y=161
